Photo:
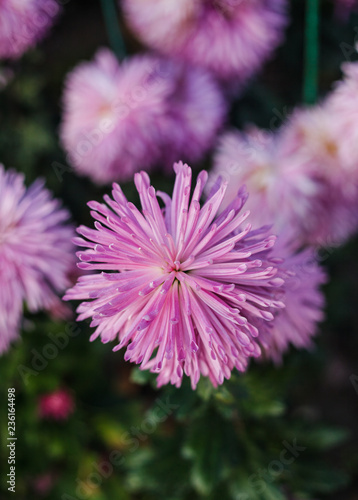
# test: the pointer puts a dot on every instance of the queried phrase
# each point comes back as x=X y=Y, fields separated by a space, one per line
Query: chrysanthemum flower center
x=172 y=266
x=262 y=176
x=331 y=147
x=105 y=110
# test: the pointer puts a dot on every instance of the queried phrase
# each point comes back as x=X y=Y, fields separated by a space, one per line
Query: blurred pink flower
x=196 y=110
x=316 y=138
x=299 y=177
x=231 y=38
x=342 y=103
x=56 y=405
x=297 y=323
x=110 y=116
x=23 y=23
x=44 y=483
x=36 y=253
x=280 y=189
x=119 y=118
x=185 y=288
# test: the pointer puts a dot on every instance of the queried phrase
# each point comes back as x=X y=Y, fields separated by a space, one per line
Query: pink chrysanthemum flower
x=280 y=190
x=316 y=138
x=231 y=38
x=110 y=116
x=119 y=118
x=23 y=23
x=36 y=253
x=196 y=110
x=312 y=135
x=182 y=288
x=56 y=405
x=342 y=102
x=296 y=178
x=297 y=323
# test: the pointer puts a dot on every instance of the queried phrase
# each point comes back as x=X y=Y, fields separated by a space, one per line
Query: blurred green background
x=126 y=439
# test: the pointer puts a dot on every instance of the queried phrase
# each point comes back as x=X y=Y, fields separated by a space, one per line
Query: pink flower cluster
x=148 y=111
x=305 y=175
x=23 y=23
x=36 y=253
x=230 y=38
x=119 y=118
x=188 y=289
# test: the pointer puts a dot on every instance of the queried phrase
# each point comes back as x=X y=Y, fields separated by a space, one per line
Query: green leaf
x=207 y=445
x=272 y=492
x=326 y=437
x=141 y=377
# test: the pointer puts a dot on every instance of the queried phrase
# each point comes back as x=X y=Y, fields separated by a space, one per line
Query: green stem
x=113 y=30
x=310 y=88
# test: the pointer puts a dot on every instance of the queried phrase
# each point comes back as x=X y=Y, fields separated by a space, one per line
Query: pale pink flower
x=280 y=189
x=110 y=116
x=36 y=253
x=23 y=23
x=314 y=134
x=317 y=137
x=56 y=405
x=342 y=104
x=231 y=38
x=297 y=178
x=195 y=113
x=119 y=118
x=182 y=288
